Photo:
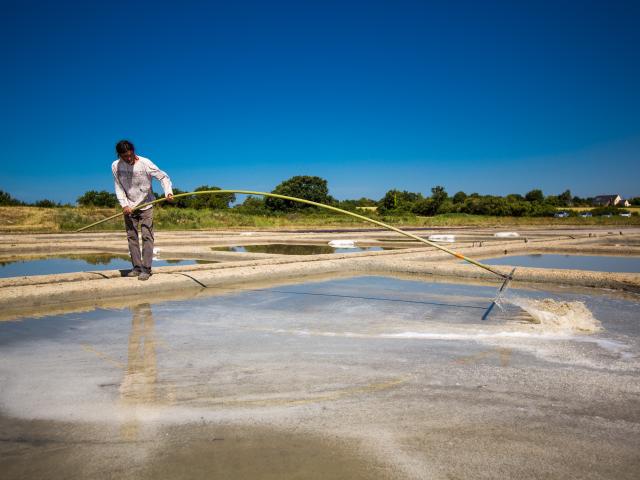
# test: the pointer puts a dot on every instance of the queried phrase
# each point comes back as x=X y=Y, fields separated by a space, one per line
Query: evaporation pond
x=384 y=372
x=599 y=263
x=299 y=249
x=17 y=267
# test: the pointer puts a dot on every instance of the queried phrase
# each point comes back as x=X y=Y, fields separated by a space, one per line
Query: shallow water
x=599 y=263
x=291 y=249
x=393 y=378
x=76 y=263
x=277 y=322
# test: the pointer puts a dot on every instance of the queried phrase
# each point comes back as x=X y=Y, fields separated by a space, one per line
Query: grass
x=66 y=219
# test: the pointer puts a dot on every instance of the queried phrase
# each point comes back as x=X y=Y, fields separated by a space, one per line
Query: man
x=132 y=176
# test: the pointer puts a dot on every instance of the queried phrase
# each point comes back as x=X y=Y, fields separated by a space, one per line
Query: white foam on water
x=558 y=316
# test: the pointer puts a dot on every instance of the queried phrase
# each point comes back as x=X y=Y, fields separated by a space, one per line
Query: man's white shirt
x=133 y=182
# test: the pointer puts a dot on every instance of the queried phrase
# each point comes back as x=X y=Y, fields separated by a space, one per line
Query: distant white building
x=610 y=200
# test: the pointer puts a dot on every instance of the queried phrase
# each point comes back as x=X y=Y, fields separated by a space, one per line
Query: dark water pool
x=76 y=263
x=599 y=263
x=291 y=249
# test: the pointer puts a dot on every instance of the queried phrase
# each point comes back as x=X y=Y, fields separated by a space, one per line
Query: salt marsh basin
x=600 y=263
x=292 y=249
x=355 y=377
x=54 y=264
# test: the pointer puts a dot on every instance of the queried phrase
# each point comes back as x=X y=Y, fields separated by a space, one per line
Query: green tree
x=93 y=198
x=459 y=197
x=535 y=196
x=518 y=207
x=7 y=200
x=432 y=205
x=180 y=202
x=439 y=194
x=553 y=200
x=565 y=199
x=302 y=186
x=487 y=205
x=396 y=200
x=425 y=207
x=211 y=200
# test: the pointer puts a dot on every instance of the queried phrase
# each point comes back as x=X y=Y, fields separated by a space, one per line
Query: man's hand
x=126 y=210
x=169 y=197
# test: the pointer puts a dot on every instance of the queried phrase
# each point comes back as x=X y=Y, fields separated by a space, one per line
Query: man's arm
x=154 y=171
x=120 y=193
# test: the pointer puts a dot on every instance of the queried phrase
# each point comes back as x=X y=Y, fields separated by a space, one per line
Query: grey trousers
x=140 y=220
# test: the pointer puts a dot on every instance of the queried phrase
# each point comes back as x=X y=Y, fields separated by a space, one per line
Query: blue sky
x=492 y=97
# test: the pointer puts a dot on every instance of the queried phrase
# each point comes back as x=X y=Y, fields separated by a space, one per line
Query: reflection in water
x=89 y=258
x=53 y=264
x=139 y=385
x=180 y=261
x=97 y=258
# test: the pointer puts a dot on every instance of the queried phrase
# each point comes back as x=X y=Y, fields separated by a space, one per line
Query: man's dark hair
x=124 y=146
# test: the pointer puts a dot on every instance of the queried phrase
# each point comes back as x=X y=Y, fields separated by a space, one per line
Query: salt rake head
x=498 y=297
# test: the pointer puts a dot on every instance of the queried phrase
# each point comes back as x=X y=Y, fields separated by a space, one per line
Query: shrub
x=7 y=200
x=425 y=207
x=93 y=198
x=252 y=205
x=608 y=210
x=46 y=204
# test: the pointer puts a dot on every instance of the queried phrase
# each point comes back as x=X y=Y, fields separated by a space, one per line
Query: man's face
x=128 y=157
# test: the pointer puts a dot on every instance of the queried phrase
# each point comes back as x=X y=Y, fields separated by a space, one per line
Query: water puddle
x=599 y=263
x=299 y=249
x=53 y=264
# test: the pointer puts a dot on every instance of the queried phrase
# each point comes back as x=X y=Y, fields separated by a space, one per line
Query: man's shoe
x=144 y=276
x=134 y=273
